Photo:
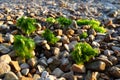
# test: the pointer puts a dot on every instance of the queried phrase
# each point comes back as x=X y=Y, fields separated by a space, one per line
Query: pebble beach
x=54 y=62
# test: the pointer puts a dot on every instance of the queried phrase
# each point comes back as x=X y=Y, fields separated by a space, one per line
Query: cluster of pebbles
x=53 y=62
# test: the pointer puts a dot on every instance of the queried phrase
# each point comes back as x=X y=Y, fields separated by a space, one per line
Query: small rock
x=9 y=38
x=25 y=71
x=15 y=65
x=78 y=68
x=19 y=74
x=26 y=78
x=56 y=51
x=24 y=65
x=1 y=38
x=96 y=65
x=39 y=27
x=4 y=68
x=1 y=23
x=91 y=37
x=57 y=72
x=43 y=61
x=4 y=49
x=51 y=77
x=40 y=68
x=10 y=76
x=116 y=48
x=33 y=61
x=59 y=32
x=5 y=58
x=112 y=13
x=65 y=40
x=66 y=47
x=46 y=46
x=114 y=71
x=50 y=60
x=113 y=59
x=72 y=44
x=95 y=44
x=70 y=32
x=36 y=77
x=91 y=75
x=74 y=24
x=108 y=52
x=68 y=76
x=44 y=74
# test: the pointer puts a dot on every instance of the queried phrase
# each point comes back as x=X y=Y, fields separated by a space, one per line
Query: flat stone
x=15 y=65
x=96 y=65
x=4 y=49
x=5 y=58
x=108 y=52
x=4 y=68
x=10 y=76
x=116 y=48
x=78 y=68
x=25 y=71
x=24 y=65
x=57 y=72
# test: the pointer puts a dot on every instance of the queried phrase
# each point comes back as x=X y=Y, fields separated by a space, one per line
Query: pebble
x=33 y=61
x=57 y=72
x=44 y=74
x=43 y=61
x=4 y=68
x=40 y=68
x=108 y=52
x=114 y=71
x=72 y=44
x=25 y=71
x=10 y=76
x=113 y=59
x=116 y=48
x=9 y=38
x=36 y=77
x=91 y=75
x=15 y=65
x=56 y=51
x=24 y=65
x=97 y=66
x=5 y=58
x=78 y=68
x=112 y=13
x=4 y=49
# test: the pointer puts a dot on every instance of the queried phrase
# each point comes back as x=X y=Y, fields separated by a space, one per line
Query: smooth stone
x=15 y=65
x=96 y=65
x=36 y=77
x=24 y=65
x=56 y=51
x=108 y=52
x=116 y=48
x=113 y=59
x=57 y=72
x=4 y=68
x=47 y=46
x=4 y=49
x=33 y=61
x=40 y=68
x=10 y=76
x=66 y=47
x=5 y=58
x=43 y=62
x=65 y=39
x=25 y=71
x=91 y=75
x=95 y=44
x=114 y=71
x=50 y=60
x=78 y=68
x=44 y=74
x=72 y=44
